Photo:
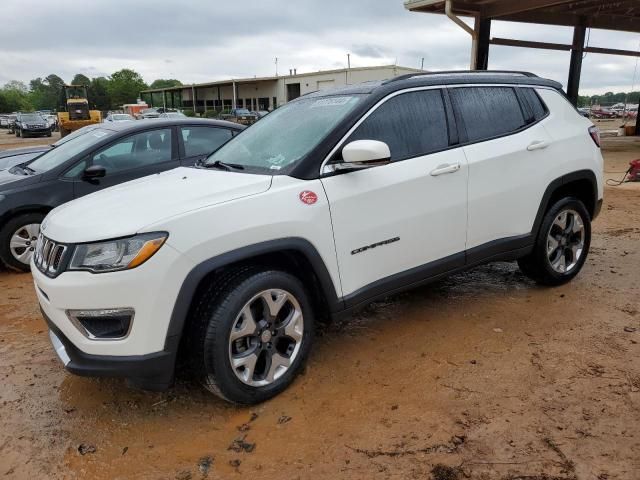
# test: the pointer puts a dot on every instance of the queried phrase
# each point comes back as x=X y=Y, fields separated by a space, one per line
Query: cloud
x=199 y=41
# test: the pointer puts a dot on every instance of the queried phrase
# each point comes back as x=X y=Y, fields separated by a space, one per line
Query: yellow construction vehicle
x=78 y=114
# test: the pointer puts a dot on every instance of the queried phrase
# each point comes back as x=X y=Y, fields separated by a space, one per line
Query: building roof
x=219 y=83
x=622 y=15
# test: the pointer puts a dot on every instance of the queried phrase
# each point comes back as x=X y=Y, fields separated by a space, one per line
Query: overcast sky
x=204 y=40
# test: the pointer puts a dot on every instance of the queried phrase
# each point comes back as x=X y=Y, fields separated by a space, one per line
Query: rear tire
x=250 y=334
x=562 y=244
x=17 y=242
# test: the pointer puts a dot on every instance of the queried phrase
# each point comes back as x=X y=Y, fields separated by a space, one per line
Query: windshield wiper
x=223 y=165
x=27 y=168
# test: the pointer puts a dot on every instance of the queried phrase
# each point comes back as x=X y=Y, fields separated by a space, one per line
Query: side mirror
x=361 y=154
x=94 y=172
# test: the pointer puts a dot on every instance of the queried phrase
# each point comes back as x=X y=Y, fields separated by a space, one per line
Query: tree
x=165 y=83
x=124 y=87
x=15 y=97
x=81 y=79
x=98 y=92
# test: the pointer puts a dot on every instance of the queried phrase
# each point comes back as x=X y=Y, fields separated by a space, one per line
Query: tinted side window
x=139 y=150
x=412 y=124
x=203 y=140
x=488 y=111
x=534 y=103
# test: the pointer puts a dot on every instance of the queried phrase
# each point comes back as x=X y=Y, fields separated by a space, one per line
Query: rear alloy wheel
x=18 y=241
x=250 y=334
x=565 y=241
x=562 y=244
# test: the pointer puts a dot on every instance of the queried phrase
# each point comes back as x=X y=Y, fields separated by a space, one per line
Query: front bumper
x=35 y=131
x=150 y=372
x=147 y=355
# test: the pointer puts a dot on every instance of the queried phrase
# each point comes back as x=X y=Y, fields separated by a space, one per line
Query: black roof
x=422 y=79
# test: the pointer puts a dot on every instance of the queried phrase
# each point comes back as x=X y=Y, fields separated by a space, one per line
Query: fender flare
x=558 y=183
x=200 y=271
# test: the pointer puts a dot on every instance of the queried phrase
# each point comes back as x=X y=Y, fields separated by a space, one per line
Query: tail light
x=595 y=135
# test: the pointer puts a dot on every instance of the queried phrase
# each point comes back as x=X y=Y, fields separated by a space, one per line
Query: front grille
x=49 y=256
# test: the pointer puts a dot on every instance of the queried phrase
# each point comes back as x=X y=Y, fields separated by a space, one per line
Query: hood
x=127 y=208
x=22 y=150
x=8 y=180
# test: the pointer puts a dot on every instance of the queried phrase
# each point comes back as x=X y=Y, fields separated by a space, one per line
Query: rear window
x=488 y=112
x=532 y=102
x=411 y=124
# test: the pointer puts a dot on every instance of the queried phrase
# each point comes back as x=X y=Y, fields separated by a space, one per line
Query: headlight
x=114 y=255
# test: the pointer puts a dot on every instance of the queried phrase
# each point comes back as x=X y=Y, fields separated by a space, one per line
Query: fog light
x=105 y=324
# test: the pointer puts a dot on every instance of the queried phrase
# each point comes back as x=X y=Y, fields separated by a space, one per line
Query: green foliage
x=103 y=93
x=124 y=87
x=211 y=114
x=189 y=113
x=165 y=83
x=14 y=96
x=47 y=94
x=81 y=79
x=98 y=93
x=609 y=98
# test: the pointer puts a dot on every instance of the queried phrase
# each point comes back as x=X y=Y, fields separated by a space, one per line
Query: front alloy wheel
x=266 y=337
x=250 y=333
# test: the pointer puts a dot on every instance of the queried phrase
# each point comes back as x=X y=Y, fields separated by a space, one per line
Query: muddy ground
x=484 y=376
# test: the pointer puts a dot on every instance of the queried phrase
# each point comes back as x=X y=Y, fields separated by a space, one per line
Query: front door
x=128 y=158
x=401 y=222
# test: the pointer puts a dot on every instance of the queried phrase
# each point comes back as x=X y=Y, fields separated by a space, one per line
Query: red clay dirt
x=484 y=376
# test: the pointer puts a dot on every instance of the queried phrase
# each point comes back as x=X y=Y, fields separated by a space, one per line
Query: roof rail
x=460 y=72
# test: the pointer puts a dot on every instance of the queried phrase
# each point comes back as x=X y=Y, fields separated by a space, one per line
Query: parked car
x=31 y=125
x=240 y=115
x=584 y=111
x=16 y=156
x=336 y=199
x=4 y=121
x=107 y=155
x=119 y=117
x=602 y=113
x=148 y=113
x=11 y=119
x=260 y=113
x=172 y=115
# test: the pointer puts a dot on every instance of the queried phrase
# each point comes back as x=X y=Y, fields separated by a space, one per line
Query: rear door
x=506 y=148
x=128 y=158
x=397 y=223
x=199 y=141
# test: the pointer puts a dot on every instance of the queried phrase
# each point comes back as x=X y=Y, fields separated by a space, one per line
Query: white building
x=264 y=93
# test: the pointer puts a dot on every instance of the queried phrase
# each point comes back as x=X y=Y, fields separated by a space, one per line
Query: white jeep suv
x=330 y=202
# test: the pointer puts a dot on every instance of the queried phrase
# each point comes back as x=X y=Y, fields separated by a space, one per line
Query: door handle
x=537 y=145
x=445 y=168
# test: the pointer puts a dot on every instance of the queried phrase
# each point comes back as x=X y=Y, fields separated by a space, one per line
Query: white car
x=119 y=117
x=332 y=201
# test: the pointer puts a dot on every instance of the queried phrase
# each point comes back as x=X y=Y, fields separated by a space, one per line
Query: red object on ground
x=634 y=171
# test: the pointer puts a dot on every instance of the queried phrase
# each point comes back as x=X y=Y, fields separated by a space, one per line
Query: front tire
x=562 y=244
x=251 y=334
x=18 y=241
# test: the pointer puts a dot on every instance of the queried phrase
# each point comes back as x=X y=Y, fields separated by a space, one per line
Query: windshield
x=63 y=152
x=242 y=111
x=31 y=118
x=285 y=135
x=76 y=133
x=122 y=116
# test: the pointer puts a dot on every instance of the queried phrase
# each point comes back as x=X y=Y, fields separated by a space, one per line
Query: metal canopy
x=621 y=15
